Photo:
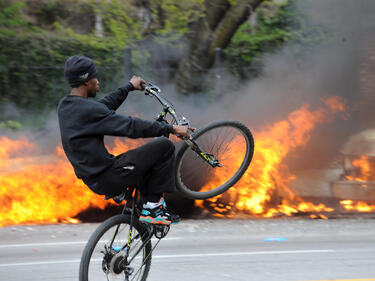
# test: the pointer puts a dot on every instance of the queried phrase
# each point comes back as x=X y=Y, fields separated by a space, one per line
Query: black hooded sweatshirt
x=85 y=122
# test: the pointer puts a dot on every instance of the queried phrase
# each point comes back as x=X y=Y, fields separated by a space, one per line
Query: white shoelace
x=151 y=205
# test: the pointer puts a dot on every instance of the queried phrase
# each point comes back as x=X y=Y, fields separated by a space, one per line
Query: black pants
x=149 y=168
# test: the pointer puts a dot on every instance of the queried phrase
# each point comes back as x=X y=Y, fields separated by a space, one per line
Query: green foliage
x=233 y=2
x=178 y=15
x=10 y=15
x=272 y=29
x=276 y=24
x=10 y=124
x=31 y=67
x=119 y=21
x=37 y=36
x=169 y=19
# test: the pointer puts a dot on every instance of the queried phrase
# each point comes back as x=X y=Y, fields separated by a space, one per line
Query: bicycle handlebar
x=154 y=91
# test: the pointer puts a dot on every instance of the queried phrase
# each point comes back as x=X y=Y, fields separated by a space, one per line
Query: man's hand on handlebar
x=183 y=130
x=137 y=82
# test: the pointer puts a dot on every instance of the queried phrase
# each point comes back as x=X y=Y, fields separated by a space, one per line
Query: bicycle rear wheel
x=102 y=258
x=231 y=143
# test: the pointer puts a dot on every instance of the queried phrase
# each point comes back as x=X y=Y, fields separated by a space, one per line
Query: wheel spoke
x=231 y=143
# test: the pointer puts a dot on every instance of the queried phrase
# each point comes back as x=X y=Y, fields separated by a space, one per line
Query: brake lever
x=150 y=88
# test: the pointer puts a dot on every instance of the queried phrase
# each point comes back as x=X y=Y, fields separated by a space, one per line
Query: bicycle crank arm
x=209 y=158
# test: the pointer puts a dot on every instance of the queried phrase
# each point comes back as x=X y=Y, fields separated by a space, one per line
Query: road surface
x=276 y=249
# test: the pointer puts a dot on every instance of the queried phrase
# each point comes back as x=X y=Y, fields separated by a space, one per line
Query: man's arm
x=107 y=122
x=115 y=99
x=99 y=120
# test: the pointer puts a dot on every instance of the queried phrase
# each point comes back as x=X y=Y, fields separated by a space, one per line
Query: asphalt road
x=284 y=249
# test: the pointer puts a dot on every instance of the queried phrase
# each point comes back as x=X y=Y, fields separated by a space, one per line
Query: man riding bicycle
x=84 y=123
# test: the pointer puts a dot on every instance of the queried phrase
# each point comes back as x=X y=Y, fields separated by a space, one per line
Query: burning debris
x=357 y=183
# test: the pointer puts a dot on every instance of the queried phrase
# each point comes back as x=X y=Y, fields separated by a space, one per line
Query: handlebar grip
x=143 y=86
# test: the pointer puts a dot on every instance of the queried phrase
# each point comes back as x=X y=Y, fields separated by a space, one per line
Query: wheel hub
x=115 y=266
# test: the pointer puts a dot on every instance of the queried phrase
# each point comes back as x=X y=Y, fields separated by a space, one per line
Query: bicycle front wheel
x=231 y=143
x=104 y=257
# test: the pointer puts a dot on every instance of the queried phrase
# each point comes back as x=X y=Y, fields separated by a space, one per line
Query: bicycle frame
x=154 y=91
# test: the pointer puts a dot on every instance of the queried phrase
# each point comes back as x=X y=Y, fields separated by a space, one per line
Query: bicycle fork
x=209 y=158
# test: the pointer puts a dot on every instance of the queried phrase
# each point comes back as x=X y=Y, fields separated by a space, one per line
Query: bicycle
x=122 y=244
x=215 y=156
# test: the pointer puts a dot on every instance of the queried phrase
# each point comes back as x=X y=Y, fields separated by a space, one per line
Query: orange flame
x=15 y=149
x=266 y=176
x=44 y=189
x=362 y=167
x=40 y=192
x=357 y=206
x=120 y=146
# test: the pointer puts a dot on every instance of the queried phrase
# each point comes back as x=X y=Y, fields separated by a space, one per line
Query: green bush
x=276 y=24
x=36 y=37
x=9 y=14
x=31 y=67
x=10 y=124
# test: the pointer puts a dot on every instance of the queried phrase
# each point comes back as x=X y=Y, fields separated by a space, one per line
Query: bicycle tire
x=100 y=232
x=196 y=193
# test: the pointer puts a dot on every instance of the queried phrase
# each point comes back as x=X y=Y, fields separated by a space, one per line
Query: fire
x=336 y=105
x=266 y=175
x=120 y=146
x=10 y=147
x=15 y=149
x=363 y=167
x=44 y=189
x=357 y=206
x=32 y=191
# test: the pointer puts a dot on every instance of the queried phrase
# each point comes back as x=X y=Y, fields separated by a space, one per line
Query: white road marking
x=38 y=263
x=67 y=243
x=247 y=253
x=182 y=256
x=346 y=280
x=43 y=244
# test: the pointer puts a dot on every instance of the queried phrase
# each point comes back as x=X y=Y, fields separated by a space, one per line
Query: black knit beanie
x=79 y=69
